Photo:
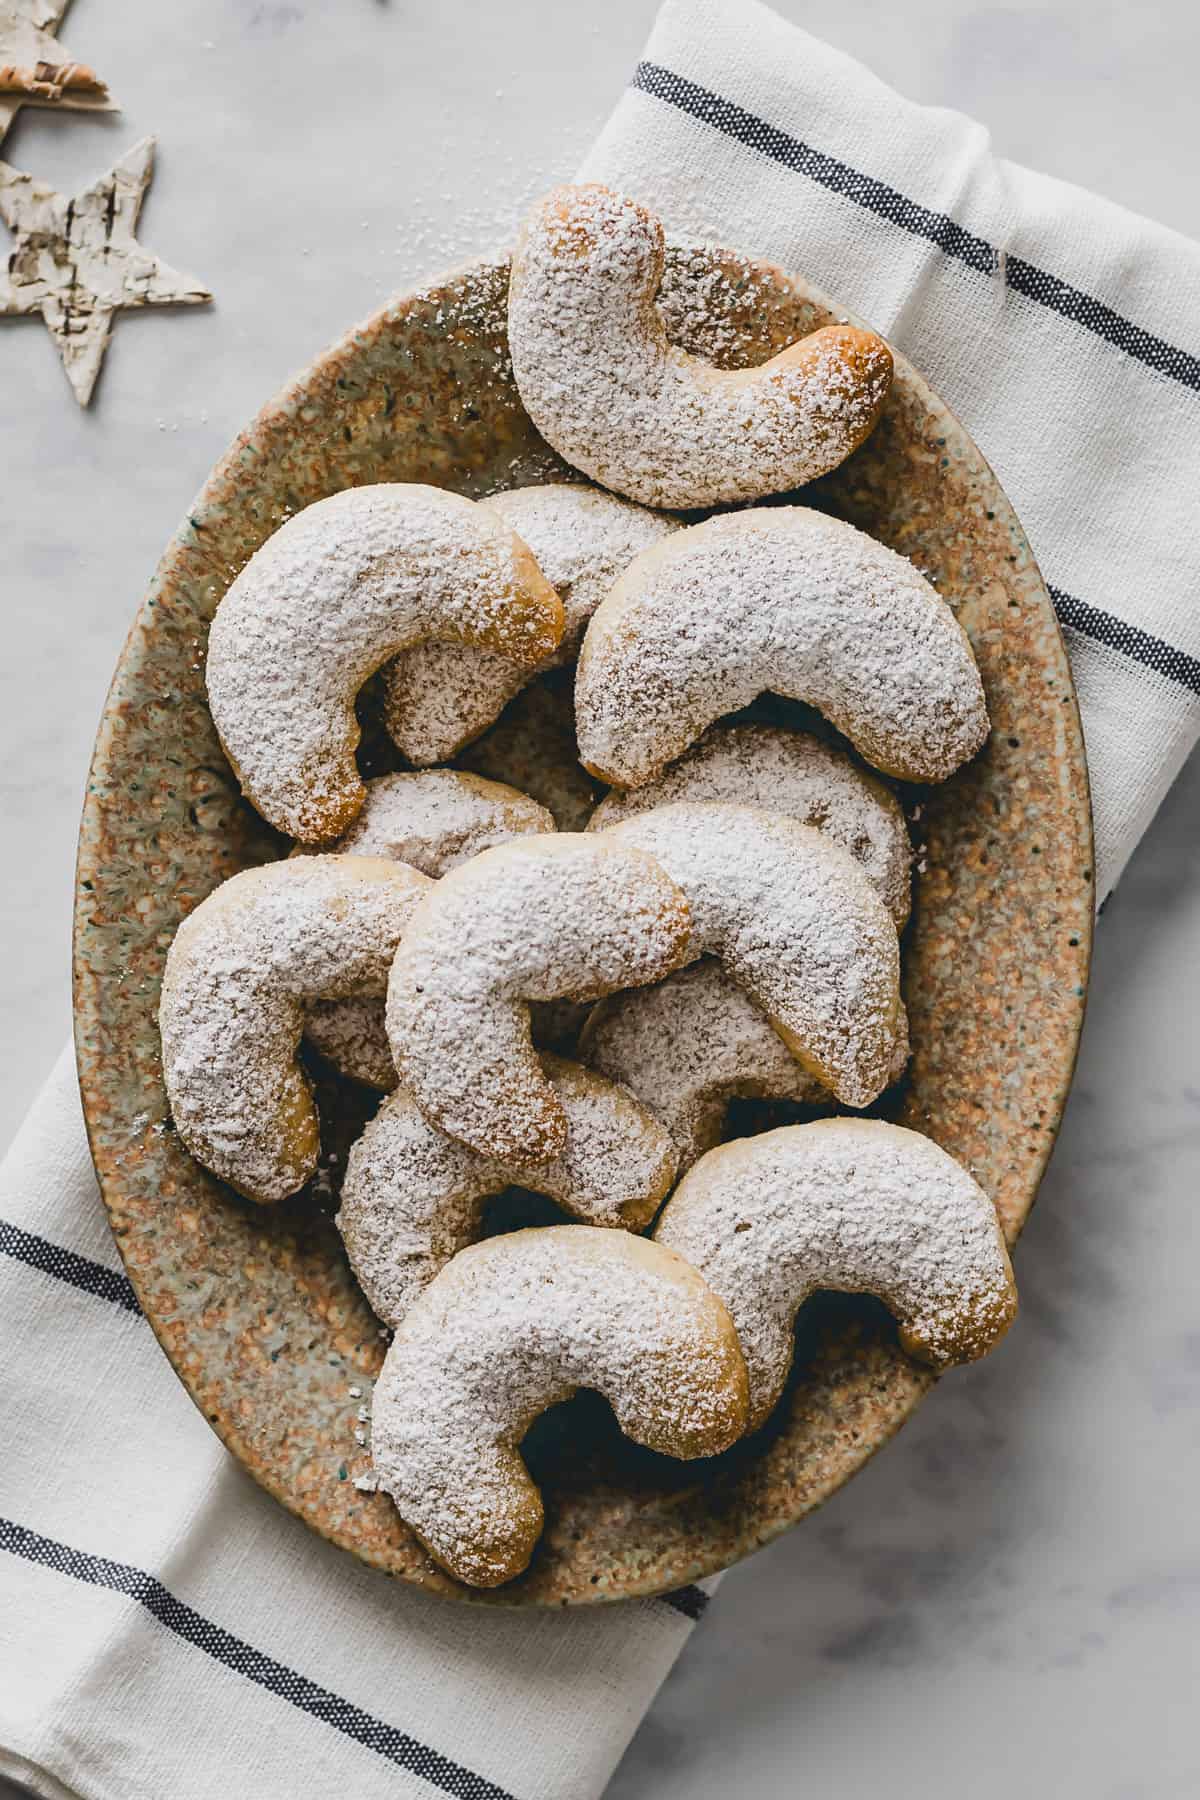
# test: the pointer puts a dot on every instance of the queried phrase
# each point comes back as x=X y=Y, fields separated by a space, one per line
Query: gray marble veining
x=1010 y=1596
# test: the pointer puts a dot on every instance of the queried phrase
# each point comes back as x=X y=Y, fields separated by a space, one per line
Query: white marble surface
x=1010 y=1596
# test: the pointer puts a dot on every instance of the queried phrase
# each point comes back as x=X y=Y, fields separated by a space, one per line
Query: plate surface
x=256 y=1307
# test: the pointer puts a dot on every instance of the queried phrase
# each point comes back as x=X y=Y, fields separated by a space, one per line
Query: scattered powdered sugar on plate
x=448 y=219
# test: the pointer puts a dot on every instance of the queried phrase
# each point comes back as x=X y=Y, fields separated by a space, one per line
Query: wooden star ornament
x=35 y=70
x=77 y=262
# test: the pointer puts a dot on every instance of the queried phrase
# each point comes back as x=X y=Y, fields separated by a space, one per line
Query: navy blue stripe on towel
x=937 y=228
x=341 y=1715
x=691 y=1601
x=106 y=1284
x=67 y=1265
x=953 y=240
x=1130 y=640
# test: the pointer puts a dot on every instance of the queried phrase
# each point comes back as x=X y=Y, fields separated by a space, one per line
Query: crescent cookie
x=430 y=820
x=514 y=1325
x=795 y=922
x=333 y=595
x=352 y=1035
x=603 y=384
x=532 y=745
x=785 y=599
x=413 y=1197
x=851 y=1204
x=439 y=696
x=795 y=773
x=433 y=819
x=693 y=1043
x=240 y=974
x=539 y=918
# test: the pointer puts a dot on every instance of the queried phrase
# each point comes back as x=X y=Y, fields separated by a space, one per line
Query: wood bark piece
x=77 y=261
x=50 y=81
x=35 y=70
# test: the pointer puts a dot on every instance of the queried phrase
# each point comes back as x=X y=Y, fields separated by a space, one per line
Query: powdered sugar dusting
x=538 y=918
x=602 y=382
x=693 y=1043
x=336 y=592
x=514 y=1325
x=533 y=746
x=439 y=696
x=432 y=820
x=705 y=297
x=796 y=922
x=413 y=1197
x=794 y=773
x=852 y=1204
x=240 y=972
x=781 y=599
x=352 y=1035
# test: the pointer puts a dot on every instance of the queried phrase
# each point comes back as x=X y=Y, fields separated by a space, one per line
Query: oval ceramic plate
x=256 y=1306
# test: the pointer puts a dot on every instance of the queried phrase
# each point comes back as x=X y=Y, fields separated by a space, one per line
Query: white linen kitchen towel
x=1063 y=331
x=169 y=1632
x=165 y=1628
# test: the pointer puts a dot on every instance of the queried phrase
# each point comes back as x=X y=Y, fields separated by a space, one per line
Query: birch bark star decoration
x=77 y=261
x=35 y=70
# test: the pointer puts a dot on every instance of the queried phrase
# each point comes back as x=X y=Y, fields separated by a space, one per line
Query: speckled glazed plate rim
x=98 y=1034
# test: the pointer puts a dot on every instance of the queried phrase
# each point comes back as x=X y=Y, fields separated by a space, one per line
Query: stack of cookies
x=562 y=995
